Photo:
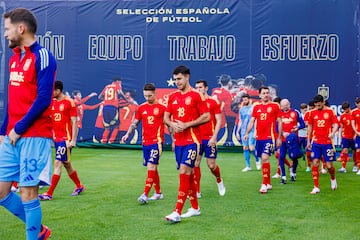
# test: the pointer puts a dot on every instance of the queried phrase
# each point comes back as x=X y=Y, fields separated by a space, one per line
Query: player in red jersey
x=347 y=134
x=266 y=114
x=186 y=110
x=209 y=132
x=291 y=123
x=126 y=117
x=25 y=135
x=356 y=126
x=110 y=96
x=64 y=119
x=322 y=126
x=81 y=107
x=151 y=114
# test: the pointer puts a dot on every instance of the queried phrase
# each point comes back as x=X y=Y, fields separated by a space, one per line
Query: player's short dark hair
x=357 y=100
x=59 y=85
x=245 y=95
x=318 y=98
x=277 y=99
x=149 y=87
x=117 y=79
x=303 y=105
x=311 y=103
x=263 y=87
x=204 y=82
x=345 y=105
x=182 y=69
x=23 y=15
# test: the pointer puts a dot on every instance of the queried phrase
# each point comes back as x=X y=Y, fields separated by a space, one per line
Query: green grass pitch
x=114 y=179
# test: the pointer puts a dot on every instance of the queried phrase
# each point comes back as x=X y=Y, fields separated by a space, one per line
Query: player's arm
x=300 y=120
x=249 y=127
x=280 y=131
x=45 y=71
x=334 y=128
x=203 y=118
x=131 y=129
x=353 y=124
x=309 y=133
x=3 y=128
x=238 y=129
x=75 y=130
x=213 y=139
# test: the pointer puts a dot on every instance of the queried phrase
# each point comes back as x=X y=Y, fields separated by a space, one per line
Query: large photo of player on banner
x=106 y=51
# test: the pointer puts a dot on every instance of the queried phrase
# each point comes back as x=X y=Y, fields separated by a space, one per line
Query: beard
x=14 y=42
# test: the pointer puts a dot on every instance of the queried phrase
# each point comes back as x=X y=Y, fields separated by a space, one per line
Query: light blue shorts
x=29 y=162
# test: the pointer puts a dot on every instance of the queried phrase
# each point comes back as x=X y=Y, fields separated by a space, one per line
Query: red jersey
x=289 y=121
x=30 y=92
x=346 y=128
x=126 y=116
x=306 y=120
x=207 y=129
x=62 y=111
x=266 y=117
x=225 y=98
x=152 y=117
x=186 y=107
x=356 y=117
x=322 y=121
x=81 y=107
x=99 y=123
x=111 y=94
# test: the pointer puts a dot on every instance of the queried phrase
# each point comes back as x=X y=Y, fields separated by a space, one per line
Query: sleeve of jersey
x=300 y=120
x=203 y=107
x=138 y=114
x=46 y=68
x=4 y=125
x=73 y=110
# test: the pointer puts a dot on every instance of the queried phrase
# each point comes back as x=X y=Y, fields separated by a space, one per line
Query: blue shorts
x=348 y=143
x=264 y=146
x=325 y=150
x=28 y=162
x=62 y=153
x=186 y=154
x=251 y=141
x=152 y=154
x=110 y=115
x=357 y=142
x=210 y=151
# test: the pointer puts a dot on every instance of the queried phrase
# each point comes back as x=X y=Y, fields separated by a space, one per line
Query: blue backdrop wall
x=298 y=47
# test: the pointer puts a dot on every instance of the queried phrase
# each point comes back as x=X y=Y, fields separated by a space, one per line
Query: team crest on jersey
x=292 y=115
x=61 y=107
x=188 y=100
x=326 y=115
x=156 y=111
x=269 y=109
x=27 y=64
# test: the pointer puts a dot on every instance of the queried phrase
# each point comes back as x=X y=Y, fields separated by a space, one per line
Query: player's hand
x=246 y=137
x=71 y=144
x=1 y=138
x=278 y=142
x=172 y=146
x=124 y=138
x=179 y=126
x=308 y=145
x=238 y=136
x=13 y=136
x=212 y=142
x=93 y=94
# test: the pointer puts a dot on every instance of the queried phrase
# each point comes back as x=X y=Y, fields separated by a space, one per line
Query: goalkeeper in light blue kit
x=248 y=145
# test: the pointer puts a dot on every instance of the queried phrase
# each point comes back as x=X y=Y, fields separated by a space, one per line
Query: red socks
x=54 y=181
x=197 y=176
x=266 y=173
x=183 y=192
x=216 y=173
x=74 y=177
x=315 y=174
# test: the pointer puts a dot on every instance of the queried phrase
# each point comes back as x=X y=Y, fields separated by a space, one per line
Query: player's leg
x=283 y=150
x=316 y=152
x=32 y=171
x=9 y=172
x=246 y=154
x=197 y=172
x=264 y=149
x=211 y=155
x=328 y=152
x=252 y=144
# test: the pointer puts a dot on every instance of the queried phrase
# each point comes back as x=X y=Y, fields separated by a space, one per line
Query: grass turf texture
x=114 y=179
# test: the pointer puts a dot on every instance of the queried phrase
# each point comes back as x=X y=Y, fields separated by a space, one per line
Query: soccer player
x=64 y=119
x=151 y=113
x=356 y=126
x=81 y=107
x=245 y=113
x=209 y=132
x=291 y=123
x=186 y=110
x=110 y=96
x=347 y=134
x=322 y=126
x=126 y=116
x=25 y=135
x=266 y=114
